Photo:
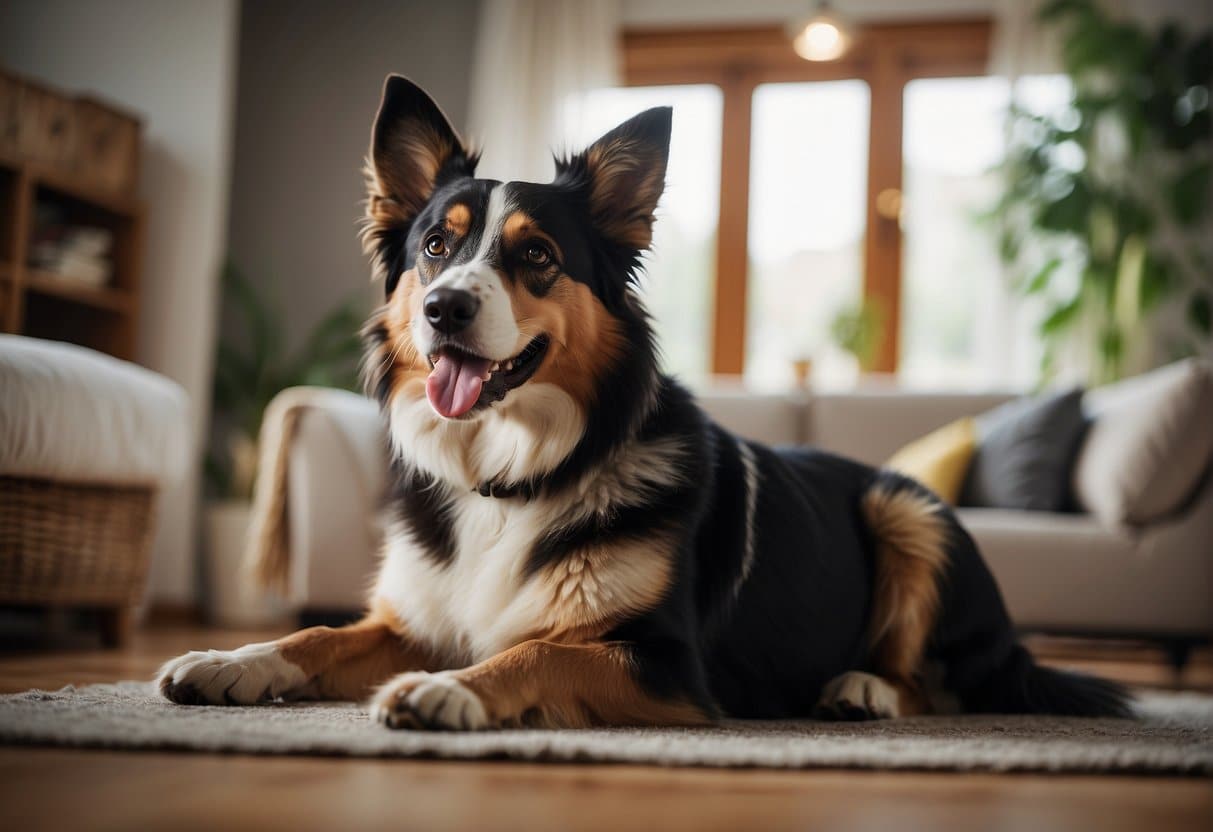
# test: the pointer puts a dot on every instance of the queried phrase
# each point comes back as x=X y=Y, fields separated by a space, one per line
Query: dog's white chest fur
x=480 y=602
x=483 y=601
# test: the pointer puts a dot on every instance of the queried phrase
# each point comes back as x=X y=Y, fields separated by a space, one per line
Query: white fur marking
x=482 y=602
x=252 y=673
x=437 y=700
x=863 y=691
x=494 y=220
x=750 y=463
x=526 y=435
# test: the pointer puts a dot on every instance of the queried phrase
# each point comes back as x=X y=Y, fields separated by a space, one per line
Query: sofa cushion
x=1024 y=453
x=1149 y=445
x=1059 y=570
x=870 y=425
x=940 y=459
x=770 y=418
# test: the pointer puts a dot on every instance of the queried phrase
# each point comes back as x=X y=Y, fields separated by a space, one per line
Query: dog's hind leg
x=910 y=531
x=976 y=663
x=910 y=536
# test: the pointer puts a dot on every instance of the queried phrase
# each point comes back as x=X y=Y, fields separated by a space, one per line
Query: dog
x=572 y=541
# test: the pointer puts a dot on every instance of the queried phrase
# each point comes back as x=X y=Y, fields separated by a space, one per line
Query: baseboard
x=319 y=617
x=172 y=614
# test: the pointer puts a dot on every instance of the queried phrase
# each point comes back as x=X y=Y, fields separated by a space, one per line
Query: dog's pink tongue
x=454 y=384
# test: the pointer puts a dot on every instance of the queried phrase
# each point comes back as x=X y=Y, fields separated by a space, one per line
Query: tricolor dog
x=573 y=542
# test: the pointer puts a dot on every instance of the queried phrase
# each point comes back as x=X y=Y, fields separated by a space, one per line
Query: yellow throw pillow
x=940 y=459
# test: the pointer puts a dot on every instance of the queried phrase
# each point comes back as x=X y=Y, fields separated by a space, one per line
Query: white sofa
x=1067 y=573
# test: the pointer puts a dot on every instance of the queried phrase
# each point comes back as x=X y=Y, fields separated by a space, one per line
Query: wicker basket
x=73 y=544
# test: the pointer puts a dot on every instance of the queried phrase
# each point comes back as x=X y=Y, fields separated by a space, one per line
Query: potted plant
x=857 y=330
x=1106 y=208
x=252 y=366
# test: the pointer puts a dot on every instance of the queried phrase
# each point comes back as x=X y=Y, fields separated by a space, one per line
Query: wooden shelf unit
x=41 y=304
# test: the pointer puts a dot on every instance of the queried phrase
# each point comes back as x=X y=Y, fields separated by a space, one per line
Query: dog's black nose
x=450 y=310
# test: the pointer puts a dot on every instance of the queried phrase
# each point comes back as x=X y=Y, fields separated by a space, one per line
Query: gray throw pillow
x=1025 y=450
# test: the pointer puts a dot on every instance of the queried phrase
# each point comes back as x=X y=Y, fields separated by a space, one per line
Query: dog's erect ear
x=413 y=149
x=624 y=172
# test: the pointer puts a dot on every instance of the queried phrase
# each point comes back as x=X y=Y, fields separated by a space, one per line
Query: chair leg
x=1179 y=652
x=115 y=624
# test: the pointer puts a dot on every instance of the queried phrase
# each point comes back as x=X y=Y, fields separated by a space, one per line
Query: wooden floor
x=57 y=789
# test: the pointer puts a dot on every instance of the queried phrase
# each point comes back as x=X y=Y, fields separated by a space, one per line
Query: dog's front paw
x=253 y=673
x=429 y=701
x=856 y=697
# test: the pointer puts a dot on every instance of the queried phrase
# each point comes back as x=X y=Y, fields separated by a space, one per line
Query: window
x=808 y=171
x=679 y=271
x=960 y=327
x=810 y=191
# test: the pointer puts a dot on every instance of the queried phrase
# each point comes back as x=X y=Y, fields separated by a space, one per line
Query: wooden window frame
x=887 y=57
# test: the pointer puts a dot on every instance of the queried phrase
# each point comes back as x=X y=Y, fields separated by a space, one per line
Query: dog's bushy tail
x=1021 y=686
x=931 y=574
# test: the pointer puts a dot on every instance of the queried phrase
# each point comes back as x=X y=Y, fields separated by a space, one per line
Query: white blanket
x=71 y=414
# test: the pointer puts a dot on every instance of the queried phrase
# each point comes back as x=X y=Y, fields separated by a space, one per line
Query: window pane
x=961 y=326
x=808 y=178
x=679 y=272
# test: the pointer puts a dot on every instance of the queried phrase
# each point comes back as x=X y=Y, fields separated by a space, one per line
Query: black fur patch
x=425 y=508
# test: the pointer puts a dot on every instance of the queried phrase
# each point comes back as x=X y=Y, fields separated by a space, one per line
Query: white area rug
x=1174 y=734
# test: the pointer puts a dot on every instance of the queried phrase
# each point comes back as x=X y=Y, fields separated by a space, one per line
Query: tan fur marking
x=397 y=357
x=624 y=190
x=911 y=541
x=459 y=219
x=910 y=700
x=349 y=662
x=519 y=227
x=593 y=589
x=585 y=338
x=544 y=684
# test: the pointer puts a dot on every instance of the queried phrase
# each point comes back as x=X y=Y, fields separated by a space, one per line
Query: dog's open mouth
x=461 y=381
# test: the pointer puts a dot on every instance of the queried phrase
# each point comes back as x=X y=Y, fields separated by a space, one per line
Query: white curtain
x=532 y=58
x=1020 y=45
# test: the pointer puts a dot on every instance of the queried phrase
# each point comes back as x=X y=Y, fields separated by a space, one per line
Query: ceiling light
x=822 y=37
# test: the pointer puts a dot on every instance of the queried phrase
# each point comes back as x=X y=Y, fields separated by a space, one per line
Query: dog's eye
x=538 y=255
x=435 y=246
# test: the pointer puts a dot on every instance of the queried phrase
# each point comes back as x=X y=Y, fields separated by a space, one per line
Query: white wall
x=174 y=63
x=311 y=72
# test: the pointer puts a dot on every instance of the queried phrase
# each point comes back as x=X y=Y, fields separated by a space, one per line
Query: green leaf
x=1054 y=10
x=1008 y=245
x=1130 y=273
x=1040 y=280
x=1189 y=193
x=1060 y=317
x=1158 y=281
x=1198 y=313
x=1198 y=62
x=331 y=352
x=1069 y=213
x=260 y=325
